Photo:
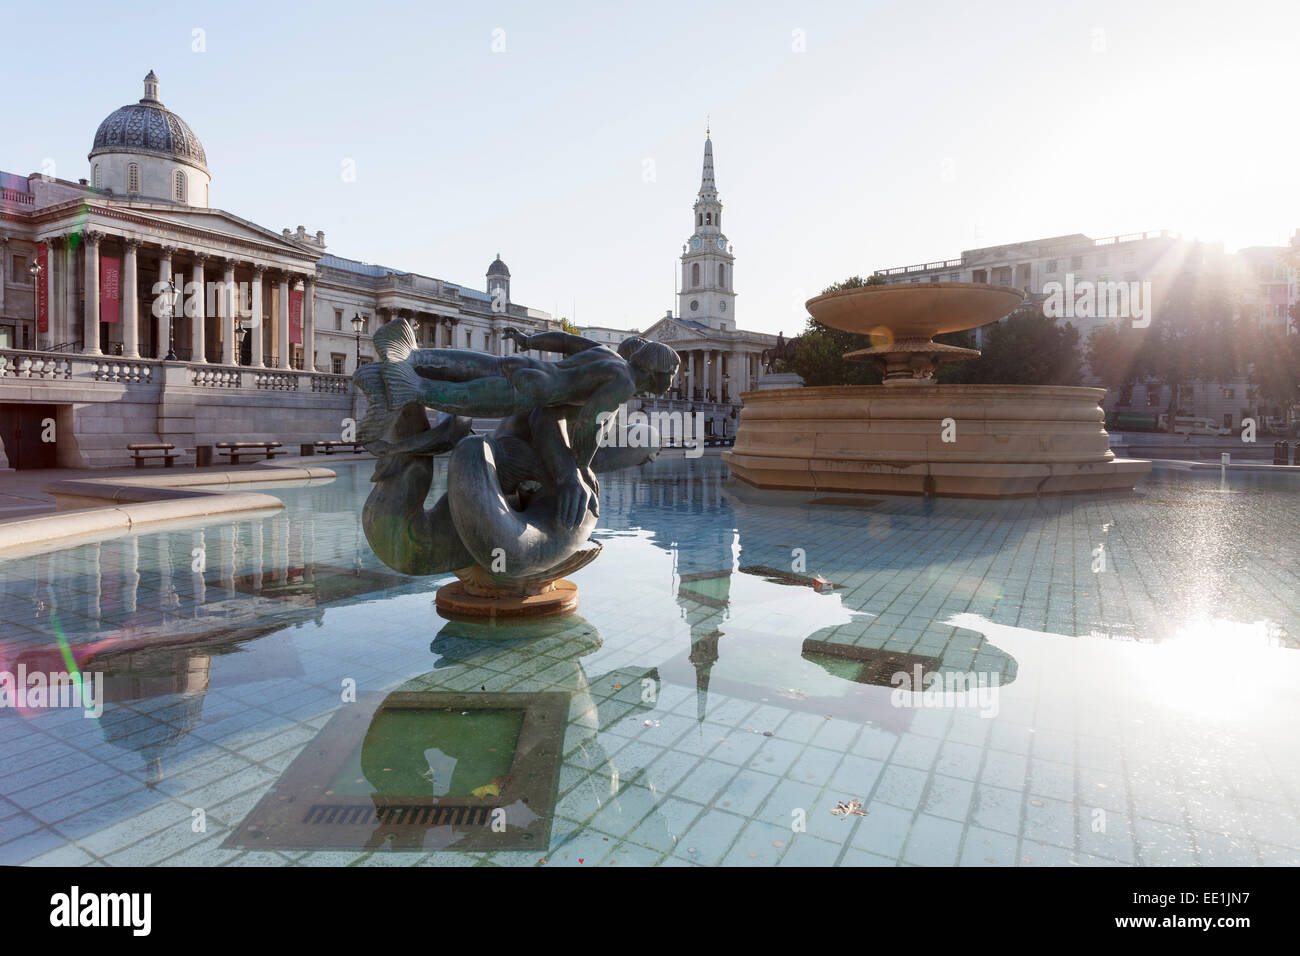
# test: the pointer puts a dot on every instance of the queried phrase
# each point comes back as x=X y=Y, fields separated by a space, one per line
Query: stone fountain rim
x=900 y=286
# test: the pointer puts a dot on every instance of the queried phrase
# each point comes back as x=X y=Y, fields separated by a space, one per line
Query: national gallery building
x=133 y=311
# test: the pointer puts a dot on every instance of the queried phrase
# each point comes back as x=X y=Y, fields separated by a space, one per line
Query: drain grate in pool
x=420 y=771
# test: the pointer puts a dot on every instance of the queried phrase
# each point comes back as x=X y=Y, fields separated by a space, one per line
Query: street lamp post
x=169 y=313
x=357 y=323
x=35 y=270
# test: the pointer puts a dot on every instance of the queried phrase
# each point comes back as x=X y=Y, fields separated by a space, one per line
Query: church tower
x=707 y=295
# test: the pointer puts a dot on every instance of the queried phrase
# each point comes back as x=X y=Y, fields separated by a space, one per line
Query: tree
x=1025 y=348
x=567 y=326
x=819 y=355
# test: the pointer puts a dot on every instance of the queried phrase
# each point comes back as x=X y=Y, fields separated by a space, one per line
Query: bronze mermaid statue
x=521 y=502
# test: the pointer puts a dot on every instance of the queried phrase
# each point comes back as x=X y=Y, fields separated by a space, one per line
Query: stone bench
x=330 y=446
x=143 y=451
x=242 y=449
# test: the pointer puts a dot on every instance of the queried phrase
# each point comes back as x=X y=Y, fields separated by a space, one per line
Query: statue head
x=653 y=364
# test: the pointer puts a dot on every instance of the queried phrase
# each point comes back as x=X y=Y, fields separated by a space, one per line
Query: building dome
x=150 y=128
x=498 y=268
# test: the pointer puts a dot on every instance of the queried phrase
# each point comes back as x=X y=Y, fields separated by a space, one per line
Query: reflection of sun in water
x=882 y=337
x=1216 y=665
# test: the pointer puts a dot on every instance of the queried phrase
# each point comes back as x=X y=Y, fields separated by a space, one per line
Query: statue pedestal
x=771 y=380
x=456 y=600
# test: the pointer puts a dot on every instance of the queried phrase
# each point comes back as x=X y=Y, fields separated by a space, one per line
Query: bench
x=329 y=446
x=142 y=452
x=242 y=449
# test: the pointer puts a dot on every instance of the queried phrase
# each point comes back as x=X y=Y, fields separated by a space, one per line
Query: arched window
x=97 y=180
x=695 y=275
x=133 y=178
x=722 y=275
x=180 y=185
x=708 y=219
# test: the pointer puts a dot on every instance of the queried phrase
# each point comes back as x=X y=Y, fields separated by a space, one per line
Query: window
x=1229 y=393
x=365 y=360
x=1051 y=265
x=1076 y=262
x=338 y=320
x=96 y=180
x=708 y=219
x=180 y=185
x=133 y=178
x=722 y=275
x=365 y=322
x=336 y=362
x=469 y=340
x=18 y=268
x=954 y=277
x=695 y=275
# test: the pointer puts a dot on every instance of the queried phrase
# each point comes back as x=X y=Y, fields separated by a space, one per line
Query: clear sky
x=848 y=136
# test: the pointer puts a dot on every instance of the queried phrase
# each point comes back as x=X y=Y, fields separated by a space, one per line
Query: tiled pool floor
x=721 y=702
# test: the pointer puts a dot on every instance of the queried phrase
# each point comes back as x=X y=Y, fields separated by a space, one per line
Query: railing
x=22 y=364
x=122 y=372
x=51 y=366
x=216 y=376
x=14 y=196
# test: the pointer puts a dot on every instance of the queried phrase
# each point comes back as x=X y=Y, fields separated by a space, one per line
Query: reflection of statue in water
x=521 y=502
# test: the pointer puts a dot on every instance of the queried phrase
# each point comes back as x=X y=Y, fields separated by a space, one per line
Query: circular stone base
x=453 y=600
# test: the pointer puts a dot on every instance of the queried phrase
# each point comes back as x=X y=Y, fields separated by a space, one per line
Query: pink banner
x=110 y=277
x=43 y=288
x=295 y=318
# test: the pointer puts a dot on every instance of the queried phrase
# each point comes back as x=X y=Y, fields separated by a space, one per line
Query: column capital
x=258 y=269
x=167 y=251
x=92 y=237
x=229 y=263
x=55 y=242
x=200 y=257
x=309 y=281
x=131 y=243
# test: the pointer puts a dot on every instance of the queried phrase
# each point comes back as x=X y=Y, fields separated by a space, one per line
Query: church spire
x=708 y=188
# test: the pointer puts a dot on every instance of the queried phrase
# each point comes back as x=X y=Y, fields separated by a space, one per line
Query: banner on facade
x=43 y=288
x=110 y=294
x=295 y=318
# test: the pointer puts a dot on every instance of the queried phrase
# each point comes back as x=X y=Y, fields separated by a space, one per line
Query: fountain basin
x=1007 y=441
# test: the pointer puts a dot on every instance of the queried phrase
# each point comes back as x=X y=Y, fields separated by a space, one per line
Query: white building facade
x=103 y=279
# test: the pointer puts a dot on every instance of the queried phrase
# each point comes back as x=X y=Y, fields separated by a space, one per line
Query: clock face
x=695 y=305
x=696 y=242
x=722 y=244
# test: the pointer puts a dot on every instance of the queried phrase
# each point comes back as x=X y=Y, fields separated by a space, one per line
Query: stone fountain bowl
x=914 y=310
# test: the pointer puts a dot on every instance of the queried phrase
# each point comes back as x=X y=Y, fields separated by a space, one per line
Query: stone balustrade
x=38 y=365
x=61 y=367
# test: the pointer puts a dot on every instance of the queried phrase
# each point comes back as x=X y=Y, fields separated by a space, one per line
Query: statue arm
x=561 y=342
x=550 y=441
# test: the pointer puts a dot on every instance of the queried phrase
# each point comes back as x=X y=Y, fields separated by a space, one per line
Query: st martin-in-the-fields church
x=719 y=359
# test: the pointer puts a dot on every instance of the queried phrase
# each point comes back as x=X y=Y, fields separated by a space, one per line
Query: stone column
x=196 y=303
x=309 y=324
x=228 y=313
x=53 y=294
x=4 y=264
x=689 y=357
x=282 y=325
x=90 y=325
x=65 y=333
x=130 y=299
x=255 y=358
x=715 y=355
